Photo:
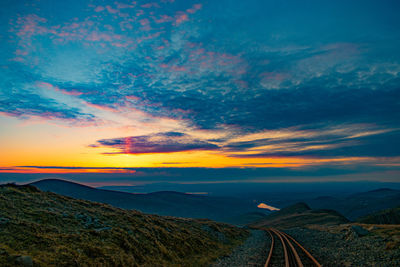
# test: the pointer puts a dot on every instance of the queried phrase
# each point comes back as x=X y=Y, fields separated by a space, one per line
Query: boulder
x=360 y=231
x=25 y=261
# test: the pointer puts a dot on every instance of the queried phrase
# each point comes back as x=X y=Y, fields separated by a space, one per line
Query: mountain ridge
x=168 y=203
x=360 y=204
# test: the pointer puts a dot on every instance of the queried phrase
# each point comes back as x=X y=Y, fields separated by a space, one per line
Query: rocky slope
x=351 y=244
x=45 y=229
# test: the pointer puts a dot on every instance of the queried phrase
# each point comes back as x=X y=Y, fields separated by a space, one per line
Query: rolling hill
x=387 y=216
x=360 y=204
x=46 y=229
x=299 y=215
x=162 y=203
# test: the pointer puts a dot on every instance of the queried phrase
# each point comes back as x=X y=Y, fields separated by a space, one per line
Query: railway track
x=294 y=254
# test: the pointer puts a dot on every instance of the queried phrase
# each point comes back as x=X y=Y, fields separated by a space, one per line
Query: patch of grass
x=56 y=230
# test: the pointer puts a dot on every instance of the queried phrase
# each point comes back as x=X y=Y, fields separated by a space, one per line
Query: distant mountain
x=299 y=215
x=161 y=203
x=360 y=204
x=387 y=216
x=46 y=229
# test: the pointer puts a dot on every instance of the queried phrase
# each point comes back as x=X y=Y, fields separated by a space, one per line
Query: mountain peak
x=55 y=181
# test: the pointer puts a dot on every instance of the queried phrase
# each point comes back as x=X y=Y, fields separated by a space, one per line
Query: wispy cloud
x=338 y=141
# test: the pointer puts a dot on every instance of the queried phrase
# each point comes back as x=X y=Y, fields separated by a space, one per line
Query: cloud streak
x=156 y=143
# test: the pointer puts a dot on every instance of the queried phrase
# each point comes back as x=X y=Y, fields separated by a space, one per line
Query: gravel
x=346 y=248
x=253 y=252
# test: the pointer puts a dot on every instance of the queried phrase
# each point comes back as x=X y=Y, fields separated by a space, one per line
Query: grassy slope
x=388 y=216
x=60 y=231
x=161 y=203
x=299 y=215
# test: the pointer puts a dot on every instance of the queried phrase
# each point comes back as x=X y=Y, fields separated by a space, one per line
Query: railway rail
x=291 y=255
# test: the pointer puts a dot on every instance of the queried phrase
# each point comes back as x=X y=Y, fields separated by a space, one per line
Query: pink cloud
x=100 y=107
x=101 y=36
x=132 y=97
x=139 y=13
x=21 y=52
x=111 y=10
x=163 y=19
x=125 y=25
x=99 y=9
x=119 y=44
x=195 y=8
x=123 y=15
x=152 y=36
x=30 y=26
x=122 y=5
x=172 y=67
x=144 y=22
x=149 y=5
x=214 y=61
x=49 y=86
x=181 y=18
x=95 y=36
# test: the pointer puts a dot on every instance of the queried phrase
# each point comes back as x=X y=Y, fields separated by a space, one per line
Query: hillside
x=53 y=230
x=249 y=218
x=299 y=215
x=161 y=203
x=360 y=204
x=388 y=216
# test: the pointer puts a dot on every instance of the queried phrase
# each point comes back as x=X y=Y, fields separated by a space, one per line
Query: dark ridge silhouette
x=162 y=203
x=360 y=204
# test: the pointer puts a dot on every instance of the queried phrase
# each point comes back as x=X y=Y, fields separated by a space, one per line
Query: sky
x=226 y=90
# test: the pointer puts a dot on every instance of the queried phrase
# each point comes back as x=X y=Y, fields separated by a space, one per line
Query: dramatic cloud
x=226 y=73
x=156 y=143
